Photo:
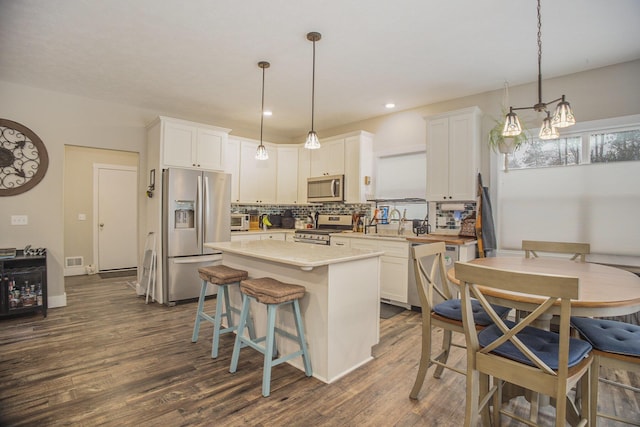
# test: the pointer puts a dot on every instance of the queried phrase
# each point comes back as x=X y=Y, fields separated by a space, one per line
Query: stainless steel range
x=327 y=224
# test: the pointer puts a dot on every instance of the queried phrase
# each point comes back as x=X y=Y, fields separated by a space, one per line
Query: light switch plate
x=19 y=220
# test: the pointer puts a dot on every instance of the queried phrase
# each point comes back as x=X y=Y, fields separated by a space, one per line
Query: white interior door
x=116 y=216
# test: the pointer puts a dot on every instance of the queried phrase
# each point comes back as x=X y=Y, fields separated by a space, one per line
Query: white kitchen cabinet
x=257 y=177
x=192 y=145
x=304 y=172
x=394 y=264
x=453 y=155
x=232 y=166
x=329 y=158
x=244 y=236
x=287 y=175
x=274 y=236
x=358 y=167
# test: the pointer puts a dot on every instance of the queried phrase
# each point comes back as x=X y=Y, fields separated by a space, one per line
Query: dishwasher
x=451 y=255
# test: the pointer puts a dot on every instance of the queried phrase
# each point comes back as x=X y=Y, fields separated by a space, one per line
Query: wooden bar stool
x=273 y=294
x=223 y=277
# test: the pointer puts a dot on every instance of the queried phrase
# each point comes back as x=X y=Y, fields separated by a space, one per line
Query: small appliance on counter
x=288 y=221
x=239 y=222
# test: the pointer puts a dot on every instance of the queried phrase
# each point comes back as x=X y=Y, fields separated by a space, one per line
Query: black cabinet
x=24 y=284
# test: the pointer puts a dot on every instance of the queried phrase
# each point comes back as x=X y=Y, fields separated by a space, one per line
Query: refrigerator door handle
x=199 y=212
x=206 y=211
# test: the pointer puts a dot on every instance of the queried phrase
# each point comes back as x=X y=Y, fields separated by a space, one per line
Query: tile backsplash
x=444 y=218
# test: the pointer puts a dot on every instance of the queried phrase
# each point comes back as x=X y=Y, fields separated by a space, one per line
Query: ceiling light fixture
x=562 y=117
x=389 y=105
x=312 y=142
x=261 y=152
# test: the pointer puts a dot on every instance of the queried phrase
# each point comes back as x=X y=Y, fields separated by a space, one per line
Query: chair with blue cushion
x=617 y=346
x=439 y=310
x=542 y=361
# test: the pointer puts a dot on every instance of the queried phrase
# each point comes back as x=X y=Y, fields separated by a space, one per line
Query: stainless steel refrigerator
x=196 y=209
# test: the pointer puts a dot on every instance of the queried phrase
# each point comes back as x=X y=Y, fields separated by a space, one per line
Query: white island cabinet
x=340 y=309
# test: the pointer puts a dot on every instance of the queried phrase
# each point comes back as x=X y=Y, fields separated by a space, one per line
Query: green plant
x=497 y=141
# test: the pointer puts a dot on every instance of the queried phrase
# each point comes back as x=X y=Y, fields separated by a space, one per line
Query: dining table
x=604 y=291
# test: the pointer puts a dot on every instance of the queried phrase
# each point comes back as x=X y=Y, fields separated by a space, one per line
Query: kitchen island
x=341 y=306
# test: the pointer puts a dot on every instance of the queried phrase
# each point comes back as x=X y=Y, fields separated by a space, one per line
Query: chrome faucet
x=402 y=223
x=401 y=219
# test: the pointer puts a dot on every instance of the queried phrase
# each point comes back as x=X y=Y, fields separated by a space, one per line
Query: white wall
x=61 y=120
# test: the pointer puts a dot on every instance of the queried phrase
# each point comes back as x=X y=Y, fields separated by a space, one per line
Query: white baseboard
x=57 y=301
x=75 y=271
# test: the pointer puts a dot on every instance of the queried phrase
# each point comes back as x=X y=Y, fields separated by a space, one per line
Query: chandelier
x=312 y=142
x=562 y=117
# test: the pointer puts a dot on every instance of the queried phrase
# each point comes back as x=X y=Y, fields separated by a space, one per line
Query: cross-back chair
x=579 y=250
x=541 y=361
x=439 y=310
x=616 y=345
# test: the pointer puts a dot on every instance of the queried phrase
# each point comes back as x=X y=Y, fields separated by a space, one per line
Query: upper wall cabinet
x=187 y=144
x=453 y=155
x=358 y=167
x=287 y=175
x=257 y=177
x=329 y=158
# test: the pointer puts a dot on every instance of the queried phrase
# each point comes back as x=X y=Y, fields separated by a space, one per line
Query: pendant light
x=562 y=117
x=312 y=142
x=261 y=152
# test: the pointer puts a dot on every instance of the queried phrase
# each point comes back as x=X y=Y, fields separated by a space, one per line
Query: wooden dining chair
x=532 y=247
x=439 y=310
x=579 y=250
x=538 y=360
x=616 y=345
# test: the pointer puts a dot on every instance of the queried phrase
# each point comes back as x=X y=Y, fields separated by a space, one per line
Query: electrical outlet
x=19 y=220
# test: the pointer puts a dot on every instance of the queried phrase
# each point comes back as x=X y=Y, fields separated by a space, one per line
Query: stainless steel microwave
x=239 y=222
x=325 y=188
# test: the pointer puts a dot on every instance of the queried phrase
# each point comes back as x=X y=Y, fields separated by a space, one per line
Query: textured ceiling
x=197 y=59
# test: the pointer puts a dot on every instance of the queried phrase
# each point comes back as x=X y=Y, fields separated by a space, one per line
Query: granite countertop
x=448 y=239
x=305 y=256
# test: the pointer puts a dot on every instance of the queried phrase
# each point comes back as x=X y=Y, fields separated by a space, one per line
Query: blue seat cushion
x=452 y=309
x=609 y=335
x=544 y=344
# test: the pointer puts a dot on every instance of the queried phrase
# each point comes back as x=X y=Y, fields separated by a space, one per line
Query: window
x=600 y=143
x=615 y=146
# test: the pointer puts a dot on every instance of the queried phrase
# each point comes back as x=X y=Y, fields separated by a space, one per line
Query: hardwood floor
x=109 y=359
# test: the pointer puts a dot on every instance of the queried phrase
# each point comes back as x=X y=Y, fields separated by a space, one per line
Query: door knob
x=101 y=225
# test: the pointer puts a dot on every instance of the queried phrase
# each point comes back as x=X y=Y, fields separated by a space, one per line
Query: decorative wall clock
x=23 y=158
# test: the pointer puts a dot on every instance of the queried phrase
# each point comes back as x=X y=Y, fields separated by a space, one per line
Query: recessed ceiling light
x=389 y=105
x=268 y=113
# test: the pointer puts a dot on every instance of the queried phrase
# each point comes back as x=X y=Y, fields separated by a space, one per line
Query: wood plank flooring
x=108 y=359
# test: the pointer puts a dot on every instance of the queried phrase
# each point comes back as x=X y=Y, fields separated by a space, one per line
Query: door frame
x=96 y=220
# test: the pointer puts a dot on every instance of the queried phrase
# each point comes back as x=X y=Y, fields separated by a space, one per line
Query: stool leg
x=218 y=320
x=303 y=343
x=196 y=326
x=236 y=347
x=227 y=305
x=268 y=352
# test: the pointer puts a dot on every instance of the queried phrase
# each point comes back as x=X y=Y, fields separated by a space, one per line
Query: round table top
x=604 y=291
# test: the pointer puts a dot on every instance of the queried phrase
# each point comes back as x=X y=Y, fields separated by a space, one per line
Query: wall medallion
x=23 y=158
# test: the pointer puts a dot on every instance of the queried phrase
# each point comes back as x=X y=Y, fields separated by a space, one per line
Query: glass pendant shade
x=512 y=125
x=547 y=131
x=312 y=142
x=261 y=153
x=563 y=117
